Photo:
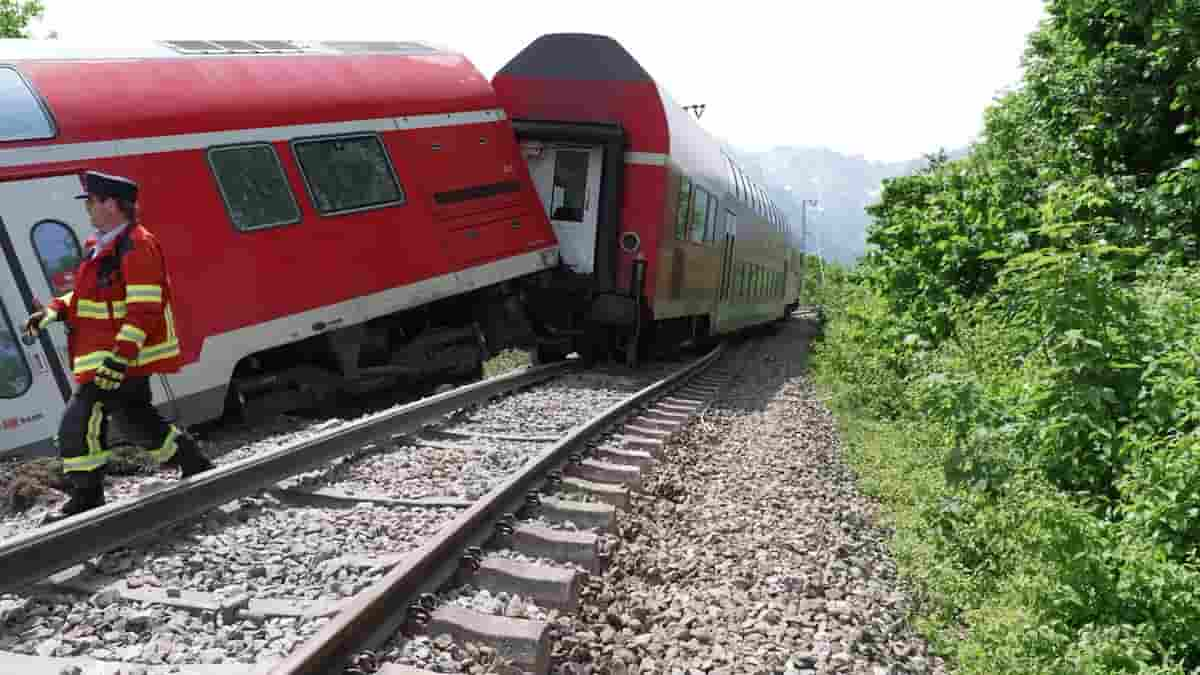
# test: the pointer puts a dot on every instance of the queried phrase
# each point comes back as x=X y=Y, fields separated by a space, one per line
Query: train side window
x=254 y=187
x=730 y=222
x=15 y=376
x=23 y=116
x=733 y=179
x=700 y=208
x=713 y=221
x=348 y=173
x=683 y=208
x=59 y=253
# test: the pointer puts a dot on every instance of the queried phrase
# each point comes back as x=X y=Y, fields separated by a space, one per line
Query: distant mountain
x=842 y=185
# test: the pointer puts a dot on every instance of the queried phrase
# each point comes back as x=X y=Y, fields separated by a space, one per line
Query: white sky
x=888 y=79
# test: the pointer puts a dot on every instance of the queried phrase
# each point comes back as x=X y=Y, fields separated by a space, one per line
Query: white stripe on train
x=128 y=147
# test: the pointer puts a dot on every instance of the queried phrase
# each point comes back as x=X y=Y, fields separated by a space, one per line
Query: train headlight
x=550 y=257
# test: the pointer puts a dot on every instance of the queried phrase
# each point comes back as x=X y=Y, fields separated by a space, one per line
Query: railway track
x=545 y=494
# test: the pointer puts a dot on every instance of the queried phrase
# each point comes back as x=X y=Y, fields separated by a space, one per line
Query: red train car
x=335 y=215
x=663 y=236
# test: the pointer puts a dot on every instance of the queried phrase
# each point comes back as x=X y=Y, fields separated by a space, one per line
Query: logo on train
x=14 y=422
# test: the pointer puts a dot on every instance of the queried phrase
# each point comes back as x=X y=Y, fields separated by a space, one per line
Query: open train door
x=41 y=227
x=567 y=178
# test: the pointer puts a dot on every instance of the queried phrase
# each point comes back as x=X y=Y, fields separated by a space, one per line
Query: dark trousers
x=83 y=432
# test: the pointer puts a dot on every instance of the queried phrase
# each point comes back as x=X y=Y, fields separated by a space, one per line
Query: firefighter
x=121 y=331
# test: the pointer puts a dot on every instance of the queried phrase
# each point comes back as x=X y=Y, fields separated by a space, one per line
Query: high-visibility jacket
x=120 y=307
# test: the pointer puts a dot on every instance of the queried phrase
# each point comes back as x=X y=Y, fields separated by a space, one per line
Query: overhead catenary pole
x=804 y=234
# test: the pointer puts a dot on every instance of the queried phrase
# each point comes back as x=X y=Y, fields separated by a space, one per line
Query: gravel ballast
x=752 y=551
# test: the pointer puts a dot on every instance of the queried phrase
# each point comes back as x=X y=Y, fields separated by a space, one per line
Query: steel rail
x=370 y=614
x=40 y=553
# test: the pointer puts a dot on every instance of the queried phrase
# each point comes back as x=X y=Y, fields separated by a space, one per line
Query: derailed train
x=341 y=216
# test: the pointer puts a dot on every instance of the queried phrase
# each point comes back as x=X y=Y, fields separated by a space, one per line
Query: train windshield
x=22 y=117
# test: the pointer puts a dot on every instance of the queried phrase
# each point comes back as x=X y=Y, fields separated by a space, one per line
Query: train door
x=30 y=400
x=568 y=181
x=41 y=226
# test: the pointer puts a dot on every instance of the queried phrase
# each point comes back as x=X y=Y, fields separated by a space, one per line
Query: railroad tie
x=581 y=548
x=585 y=515
x=556 y=587
x=605 y=472
x=526 y=643
x=638 y=458
x=614 y=495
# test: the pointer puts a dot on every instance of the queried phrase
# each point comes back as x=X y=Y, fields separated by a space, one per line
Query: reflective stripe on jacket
x=121 y=308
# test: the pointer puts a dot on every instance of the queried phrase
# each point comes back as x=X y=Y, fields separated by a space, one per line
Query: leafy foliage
x=15 y=16
x=1027 y=322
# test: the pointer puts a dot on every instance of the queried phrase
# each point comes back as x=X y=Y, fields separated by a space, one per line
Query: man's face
x=103 y=212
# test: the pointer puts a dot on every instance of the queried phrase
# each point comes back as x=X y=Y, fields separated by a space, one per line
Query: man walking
x=121 y=331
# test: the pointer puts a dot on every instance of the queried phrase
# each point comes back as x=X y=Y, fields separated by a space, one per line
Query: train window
x=683 y=208
x=254 y=187
x=59 y=253
x=700 y=209
x=712 y=222
x=15 y=377
x=730 y=222
x=348 y=173
x=23 y=116
x=733 y=180
x=570 y=185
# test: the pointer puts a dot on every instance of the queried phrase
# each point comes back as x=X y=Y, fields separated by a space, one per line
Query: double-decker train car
x=664 y=237
x=334 y=215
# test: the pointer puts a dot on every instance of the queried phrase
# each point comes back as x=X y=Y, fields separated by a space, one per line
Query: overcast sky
x=888 y=79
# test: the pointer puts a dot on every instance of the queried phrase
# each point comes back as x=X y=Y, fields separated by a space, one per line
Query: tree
x=15 y=16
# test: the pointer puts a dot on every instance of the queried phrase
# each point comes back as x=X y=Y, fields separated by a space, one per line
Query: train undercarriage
x=419 y=349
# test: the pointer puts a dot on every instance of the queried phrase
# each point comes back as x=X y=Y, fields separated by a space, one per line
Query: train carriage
x=334 y=215
x=664 y=237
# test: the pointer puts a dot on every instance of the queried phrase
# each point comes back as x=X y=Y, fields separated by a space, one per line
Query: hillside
x=843 y=185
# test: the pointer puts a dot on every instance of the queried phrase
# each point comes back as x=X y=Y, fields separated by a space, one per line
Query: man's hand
x=38 y=321
x=110 y=374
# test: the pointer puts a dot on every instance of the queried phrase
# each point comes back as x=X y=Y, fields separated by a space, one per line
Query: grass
x=505 y=361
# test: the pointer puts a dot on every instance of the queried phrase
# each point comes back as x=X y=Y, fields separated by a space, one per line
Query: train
x=664 y=237
x=345 y=216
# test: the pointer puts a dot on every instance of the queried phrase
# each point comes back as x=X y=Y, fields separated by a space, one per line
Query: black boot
x=87 y=492
x=188 y=457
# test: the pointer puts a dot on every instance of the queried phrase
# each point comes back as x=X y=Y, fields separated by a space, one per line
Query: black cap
x=107 y=185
